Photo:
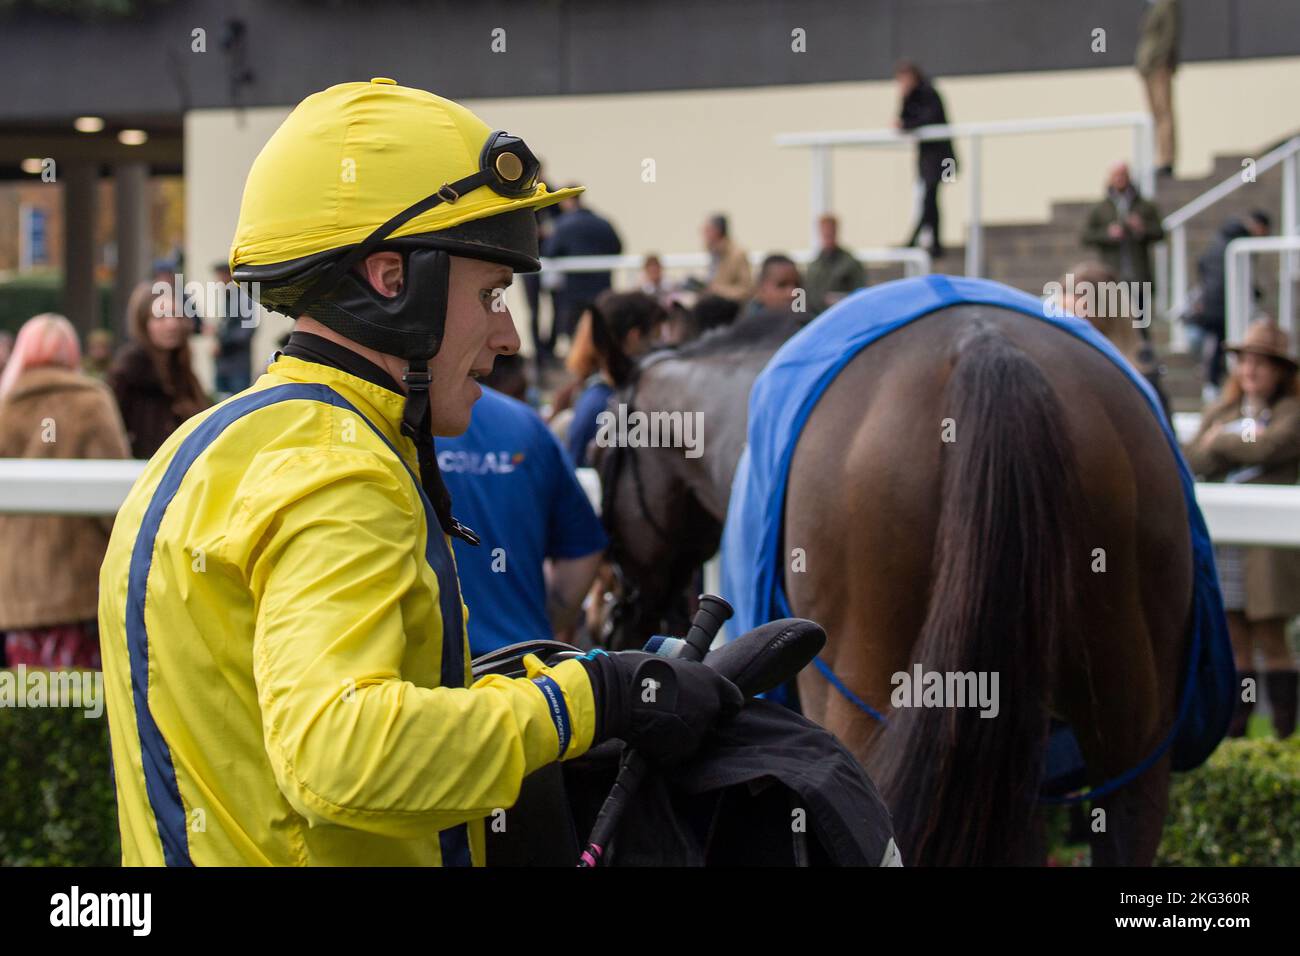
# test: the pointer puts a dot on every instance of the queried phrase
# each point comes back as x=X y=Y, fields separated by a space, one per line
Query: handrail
x=914 y=261
x=821 y=143
x=885 y=136
x=1171 y=256
x=1230 y=185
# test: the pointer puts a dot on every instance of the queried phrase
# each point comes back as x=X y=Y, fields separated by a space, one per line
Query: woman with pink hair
x=45 y=339
x=49 y=564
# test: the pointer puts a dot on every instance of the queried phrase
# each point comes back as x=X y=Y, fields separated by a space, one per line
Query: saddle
x=732 y=804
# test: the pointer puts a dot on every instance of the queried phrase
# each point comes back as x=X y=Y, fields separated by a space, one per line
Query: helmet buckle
x=416 y=377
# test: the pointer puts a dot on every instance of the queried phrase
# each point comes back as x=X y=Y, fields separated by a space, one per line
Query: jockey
x=282 y=630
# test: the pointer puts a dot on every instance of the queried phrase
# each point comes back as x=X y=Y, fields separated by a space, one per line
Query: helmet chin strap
x=415 y=416
x=416 y=426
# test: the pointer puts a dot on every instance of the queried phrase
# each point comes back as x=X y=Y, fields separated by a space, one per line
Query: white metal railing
x=821 y=144
x=1173 y=278
x=914 y=261
x=1186 y=425
x=589 y=478
x=66 y=487
x=1235 y=514
x=1251 y=514
x=1238 y=292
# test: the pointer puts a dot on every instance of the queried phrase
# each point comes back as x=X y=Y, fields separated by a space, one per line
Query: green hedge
x=57 y=804
x=28 y=295
x=58 y=808
x=1240 y=808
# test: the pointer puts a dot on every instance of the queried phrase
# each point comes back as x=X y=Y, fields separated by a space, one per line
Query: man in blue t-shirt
x=541 y=540
x=585 y=424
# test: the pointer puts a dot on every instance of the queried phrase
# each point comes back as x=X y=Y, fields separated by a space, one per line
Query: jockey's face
x=479 y=328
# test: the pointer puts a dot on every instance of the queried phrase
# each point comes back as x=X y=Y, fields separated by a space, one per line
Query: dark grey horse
x=664 y=509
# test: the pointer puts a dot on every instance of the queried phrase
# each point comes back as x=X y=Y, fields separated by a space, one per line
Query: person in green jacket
x=834 y=273
x=1122 y=228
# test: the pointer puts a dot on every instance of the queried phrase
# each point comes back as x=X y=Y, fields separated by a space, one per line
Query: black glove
x=662 y=706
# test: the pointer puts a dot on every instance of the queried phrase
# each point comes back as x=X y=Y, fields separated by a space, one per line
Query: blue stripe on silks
x=159 y=771
x=161 y=785
x=557 y=708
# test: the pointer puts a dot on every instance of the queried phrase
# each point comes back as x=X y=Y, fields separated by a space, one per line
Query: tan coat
x=49 y=564
x=1272 y=574
x=733 y=279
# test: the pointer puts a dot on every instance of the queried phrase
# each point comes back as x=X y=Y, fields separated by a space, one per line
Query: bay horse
x=1048 y=543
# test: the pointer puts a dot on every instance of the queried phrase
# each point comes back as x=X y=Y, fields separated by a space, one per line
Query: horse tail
x=962 y=787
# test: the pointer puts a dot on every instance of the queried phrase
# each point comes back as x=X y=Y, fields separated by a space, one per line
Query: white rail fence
x=1235 y=514
x=822 y=143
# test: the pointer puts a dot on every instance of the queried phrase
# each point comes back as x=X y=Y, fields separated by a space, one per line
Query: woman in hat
x=1252 y=434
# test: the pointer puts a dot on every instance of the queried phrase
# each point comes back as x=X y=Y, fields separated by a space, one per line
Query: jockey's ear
x=383 y=270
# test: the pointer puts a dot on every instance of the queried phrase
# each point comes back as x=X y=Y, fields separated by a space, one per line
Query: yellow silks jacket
x=283 y=647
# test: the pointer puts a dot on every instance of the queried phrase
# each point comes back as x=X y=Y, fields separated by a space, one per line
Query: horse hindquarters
x=962 y=787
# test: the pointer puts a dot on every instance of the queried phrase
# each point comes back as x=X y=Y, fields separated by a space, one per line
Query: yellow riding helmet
x=349 y=158
x=362 y=167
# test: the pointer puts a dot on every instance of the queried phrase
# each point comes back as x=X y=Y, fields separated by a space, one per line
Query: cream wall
x=714 y=150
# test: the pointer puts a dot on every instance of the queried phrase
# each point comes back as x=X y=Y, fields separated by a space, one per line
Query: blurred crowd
x=62 y=398
x=59 y=400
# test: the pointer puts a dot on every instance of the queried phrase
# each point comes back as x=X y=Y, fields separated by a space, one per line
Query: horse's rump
x=865 y=516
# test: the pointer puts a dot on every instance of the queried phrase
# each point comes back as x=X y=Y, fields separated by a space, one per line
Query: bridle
x=612 y=463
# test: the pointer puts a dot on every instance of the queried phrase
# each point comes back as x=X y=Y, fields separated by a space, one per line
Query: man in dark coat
x=543 y=347
x=1210 y=313
x=936 y=161
x=580 y=232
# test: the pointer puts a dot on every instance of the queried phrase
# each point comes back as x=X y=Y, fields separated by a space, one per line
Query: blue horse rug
x=785 y=394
